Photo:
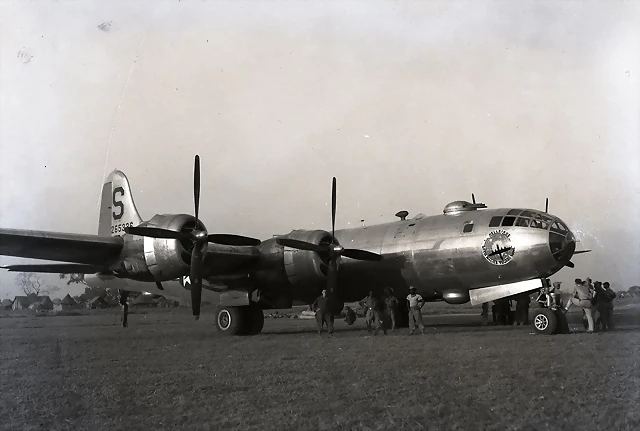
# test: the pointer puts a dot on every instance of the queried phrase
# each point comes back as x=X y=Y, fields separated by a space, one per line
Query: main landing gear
x=550 y=318
x=246 y=320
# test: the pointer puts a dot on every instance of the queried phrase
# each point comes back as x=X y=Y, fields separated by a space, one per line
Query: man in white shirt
x=415 y=303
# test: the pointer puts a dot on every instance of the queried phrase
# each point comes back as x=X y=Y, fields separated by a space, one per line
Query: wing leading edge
x=61 y=247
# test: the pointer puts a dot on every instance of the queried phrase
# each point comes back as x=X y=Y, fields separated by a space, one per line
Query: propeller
x=332 y=250
x=199 y=239
x=546 y=206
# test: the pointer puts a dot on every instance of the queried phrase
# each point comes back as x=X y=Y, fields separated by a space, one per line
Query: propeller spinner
x=333 y=250
x=199 y=238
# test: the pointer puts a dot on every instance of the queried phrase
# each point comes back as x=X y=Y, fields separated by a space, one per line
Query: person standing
x=582 y=297
x=367 y=303
x=391 y=303
x=322 y=308
x=415 y=303
x=485 y=313
x=522 y=308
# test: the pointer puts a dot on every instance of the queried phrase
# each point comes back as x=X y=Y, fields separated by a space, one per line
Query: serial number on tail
x=117 y=228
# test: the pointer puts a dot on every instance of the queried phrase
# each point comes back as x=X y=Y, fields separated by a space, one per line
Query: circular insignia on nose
x=497 y=248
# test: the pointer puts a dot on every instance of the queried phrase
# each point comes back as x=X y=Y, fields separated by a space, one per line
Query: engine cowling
x=288 y=275
x=168 y=259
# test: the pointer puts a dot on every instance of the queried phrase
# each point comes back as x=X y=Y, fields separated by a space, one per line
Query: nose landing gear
x=550 y=318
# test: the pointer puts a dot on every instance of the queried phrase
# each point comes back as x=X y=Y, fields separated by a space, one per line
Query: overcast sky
x=410 y=105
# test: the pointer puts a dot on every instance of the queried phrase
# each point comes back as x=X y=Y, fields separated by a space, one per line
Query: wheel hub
x=224 y=319
x=541 y=322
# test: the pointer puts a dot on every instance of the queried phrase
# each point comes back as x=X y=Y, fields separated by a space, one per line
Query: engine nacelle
x=168 y=259
x=288 y=275
x=456 y=296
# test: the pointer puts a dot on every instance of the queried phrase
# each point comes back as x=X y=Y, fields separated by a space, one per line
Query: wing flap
x=62 y=247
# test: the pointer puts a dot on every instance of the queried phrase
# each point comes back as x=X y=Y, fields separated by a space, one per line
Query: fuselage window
x=524 y=222
x=508 y=221
x=495 y=221
x=468 y=227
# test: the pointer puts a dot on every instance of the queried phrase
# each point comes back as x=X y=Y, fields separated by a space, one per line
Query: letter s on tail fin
x=117 y=209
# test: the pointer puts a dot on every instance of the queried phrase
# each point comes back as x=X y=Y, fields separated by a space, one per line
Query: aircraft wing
x=231 y=261
x=62 y=247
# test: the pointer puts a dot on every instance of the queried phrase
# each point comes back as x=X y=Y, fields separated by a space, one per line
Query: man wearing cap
x=415 y=303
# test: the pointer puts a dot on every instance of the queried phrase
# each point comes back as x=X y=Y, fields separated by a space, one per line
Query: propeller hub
x=338 y=249
x=200 y=235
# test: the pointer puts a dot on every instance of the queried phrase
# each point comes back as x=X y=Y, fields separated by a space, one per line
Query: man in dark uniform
x=604 y=302
x=379 y=316
x=522 y=308
x=322 y=308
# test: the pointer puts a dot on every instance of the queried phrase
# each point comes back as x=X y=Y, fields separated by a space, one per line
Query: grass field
x=167 y=372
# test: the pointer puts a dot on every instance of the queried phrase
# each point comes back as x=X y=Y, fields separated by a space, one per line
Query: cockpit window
x=559 y=228
x=523 y=222
x=495 y=221
x=508 y=221
x=527 y=214
x=536 y=224
x=468 y=227
x=514 y=212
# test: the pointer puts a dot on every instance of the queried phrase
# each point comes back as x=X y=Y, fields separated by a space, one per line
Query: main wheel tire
x=545 y=322
x=255 y=319
x=231 y=320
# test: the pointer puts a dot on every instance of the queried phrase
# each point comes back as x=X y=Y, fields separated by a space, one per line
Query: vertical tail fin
x=117 y=209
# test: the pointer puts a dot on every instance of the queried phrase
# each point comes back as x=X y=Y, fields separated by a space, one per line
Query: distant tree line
x=91 y=292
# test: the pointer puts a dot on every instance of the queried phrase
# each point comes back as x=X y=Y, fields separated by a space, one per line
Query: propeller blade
x=196 y=185
x=361 y=255
x=155 y=232
x=570 y=264
x=333 y=210
x=300 y=245
x=546 y=206
x=196 y=279
x=228 y=239
x=581 y=251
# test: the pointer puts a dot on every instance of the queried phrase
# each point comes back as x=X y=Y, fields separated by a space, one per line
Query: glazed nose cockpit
x=562 y=242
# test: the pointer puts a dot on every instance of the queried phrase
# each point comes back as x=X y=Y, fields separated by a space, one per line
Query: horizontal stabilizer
x=56 y=268
x=60 y=247
x=487 y=294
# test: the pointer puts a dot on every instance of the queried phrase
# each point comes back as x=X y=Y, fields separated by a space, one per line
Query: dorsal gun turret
x=456 y=207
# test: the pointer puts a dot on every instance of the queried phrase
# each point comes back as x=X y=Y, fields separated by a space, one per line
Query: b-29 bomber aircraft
x=466 y=254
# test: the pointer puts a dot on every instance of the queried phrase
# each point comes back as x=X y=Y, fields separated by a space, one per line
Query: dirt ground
x=167 y=372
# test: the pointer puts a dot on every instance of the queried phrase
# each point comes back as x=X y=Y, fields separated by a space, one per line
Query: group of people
x=380 y=313
x=596 y=301
x=502 y=311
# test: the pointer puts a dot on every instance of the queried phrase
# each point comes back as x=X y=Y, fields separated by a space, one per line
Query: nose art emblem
x=497 y=248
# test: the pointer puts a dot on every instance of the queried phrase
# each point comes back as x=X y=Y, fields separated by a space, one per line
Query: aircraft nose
x=562 y=242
